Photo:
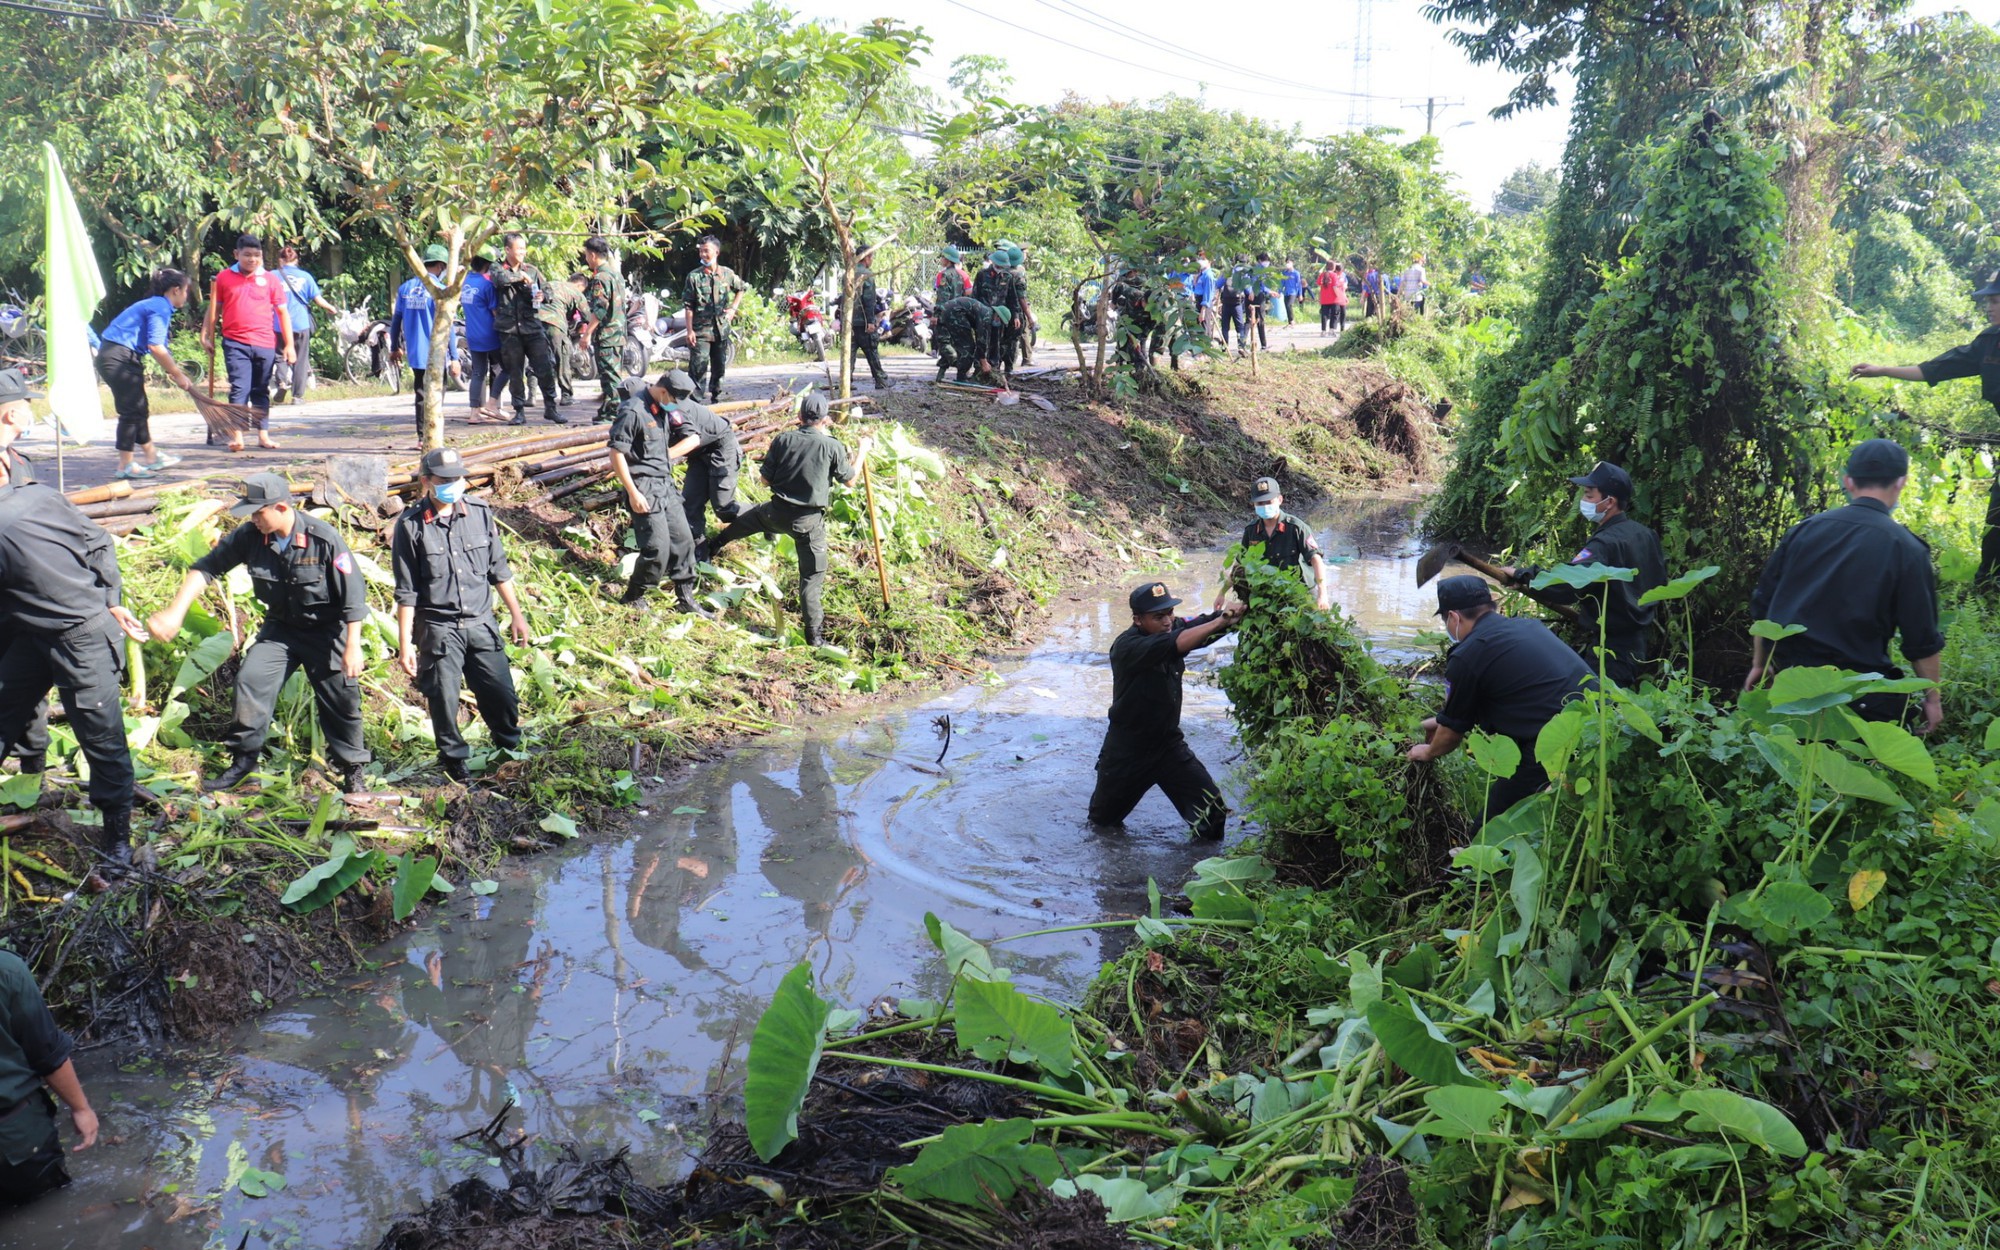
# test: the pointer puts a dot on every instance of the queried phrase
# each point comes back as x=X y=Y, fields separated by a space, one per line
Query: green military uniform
x=604 y=298
x=32 y=1046
x=707 y=295
x=561 y=311
x=868 y=307
x=1014 y=297
x=666 y=548
x=801 y=467
x=990 y=287
x=962 y=325
x=519 y=292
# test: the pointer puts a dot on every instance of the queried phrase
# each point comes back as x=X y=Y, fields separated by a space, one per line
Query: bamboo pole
x=875 y=532
x=119 y=507
x=103 y=494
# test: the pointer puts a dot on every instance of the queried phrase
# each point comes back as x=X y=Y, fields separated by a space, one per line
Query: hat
x=1019 y=257
x=1456 y=594
x=676 y=382
x=1878 y=458
x=436 y=254
x=812 y=408
x=1609 y=479
x=14 y=387
x=261 y=490
x=1003 y=245
x=1992 y=286
x=443 y=462
x=1152 y=597
x=1003 y=314
x=1002 y=258
x=1266 y=489
x=951 y=253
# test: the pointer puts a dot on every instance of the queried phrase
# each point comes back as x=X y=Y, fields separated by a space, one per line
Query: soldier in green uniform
x=711 y=296
x=963 y=327
x=801 y=467
x=991 y=287
x=560 y=316
x=642 y=462
x=519 y=291
x=1978 y=359
x=604 y=304
x=868 y=306
x=1014 y=341
x=314 y=601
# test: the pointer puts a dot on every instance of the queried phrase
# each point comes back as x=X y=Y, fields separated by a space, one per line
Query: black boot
x=233 y=776
x=455 y=769
x=36 y=763
x=115 y=842
x=942 y=369
x=353 y=779
x=635 y=592
x=685 y=600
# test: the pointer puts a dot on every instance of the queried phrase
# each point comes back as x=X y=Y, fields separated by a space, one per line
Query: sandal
x=162 y=462
x=133 y=472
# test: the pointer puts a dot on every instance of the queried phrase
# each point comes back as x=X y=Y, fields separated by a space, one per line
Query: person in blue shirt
x=302 y=290
x=1294 y=289
x=1205 y=284
x=482 y=341
x=410 y=327
x=141 y=331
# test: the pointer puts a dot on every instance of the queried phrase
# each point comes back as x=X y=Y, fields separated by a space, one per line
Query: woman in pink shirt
x=1332 y=298
x=255 y=311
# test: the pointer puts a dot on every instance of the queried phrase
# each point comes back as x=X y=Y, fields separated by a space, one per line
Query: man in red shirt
x=256 y=331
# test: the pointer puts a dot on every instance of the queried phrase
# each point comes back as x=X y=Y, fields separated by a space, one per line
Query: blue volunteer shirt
x=1204 y=285
x=477 y=299
x=1294 y=285
x=303 y=290
x=142 y=325
x=410 y=328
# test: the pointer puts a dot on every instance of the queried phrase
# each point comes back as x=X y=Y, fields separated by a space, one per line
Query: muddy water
x=611 y=991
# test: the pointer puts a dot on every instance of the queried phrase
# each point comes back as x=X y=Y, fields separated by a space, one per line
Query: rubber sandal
x=133 y=473
x=163 y=463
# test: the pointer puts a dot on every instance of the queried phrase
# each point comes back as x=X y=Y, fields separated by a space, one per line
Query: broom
x=224 y=419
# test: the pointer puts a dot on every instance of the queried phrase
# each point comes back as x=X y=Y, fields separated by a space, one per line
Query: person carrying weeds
x=708 y=443
x=1287 y=541
x=1144 y=746
x=801 y=467
x=314 y=603
x=642 y=463
x=62 y=626
x=1613 y=608
x=1504 y=675
x=449 y=560
x=1855 y=578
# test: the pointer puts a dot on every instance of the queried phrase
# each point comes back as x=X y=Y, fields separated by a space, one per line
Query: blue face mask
x=1268 y=511
x=450 y=492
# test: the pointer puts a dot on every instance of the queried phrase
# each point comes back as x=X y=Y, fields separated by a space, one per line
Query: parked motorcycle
x=808 y=326
x=910 y=322
x=22 y=345
x=364 y=348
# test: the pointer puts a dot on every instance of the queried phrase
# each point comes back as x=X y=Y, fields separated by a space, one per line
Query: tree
x=1526 y=191
x=454 y=124
x=977 y=76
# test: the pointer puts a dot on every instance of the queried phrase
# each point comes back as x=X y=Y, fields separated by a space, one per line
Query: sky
x=1286 y=63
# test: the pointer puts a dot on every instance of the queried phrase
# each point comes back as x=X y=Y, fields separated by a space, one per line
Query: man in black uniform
x=449 y=561
x=966 y=323
x=868 y=306
x=643 y=466
x=1287 y=541
x=1620 y=543
x=1978 y=359
x=1854 y=578
x=1504 y=675
x=801 y=467
x=64 y=628
x=711 y=296
x=314 y=603
x=1144 y=746
x=31 y=751
x=519 y=293
x=34 y=1059
x=708 y=442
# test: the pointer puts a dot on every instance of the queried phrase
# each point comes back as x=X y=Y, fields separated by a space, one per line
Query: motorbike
x=364 y=348
x=647 y=342
x=808 y=326
x=910 y=322
x=22 y=345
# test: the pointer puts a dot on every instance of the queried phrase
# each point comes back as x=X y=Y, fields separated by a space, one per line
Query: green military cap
x=950 y=253
x=1003 y=245
x=1002 y=258
x=1019 y=257
x=436 y=254
x=1003 y=314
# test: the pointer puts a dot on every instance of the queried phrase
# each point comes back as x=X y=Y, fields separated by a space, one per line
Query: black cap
x=1990 y=287
x=1456 y=594
x=1878 y=458
x=676 y=382
x=1152 y=597
x=812 y=408
x=443 y=462
x=1266 y=490
x=1609 y=479
x=261 y=490
x=14 y=387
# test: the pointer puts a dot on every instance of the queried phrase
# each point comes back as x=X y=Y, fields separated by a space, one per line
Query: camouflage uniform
x=707 y=296
x=962 y=325
x=868 y=307
x=556 y=315
x=604 y=299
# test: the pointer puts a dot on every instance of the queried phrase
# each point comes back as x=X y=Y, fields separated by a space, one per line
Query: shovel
x=1432 y=562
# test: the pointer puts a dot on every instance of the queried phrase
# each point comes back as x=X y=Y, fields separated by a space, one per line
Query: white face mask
x=1589 y=509
x=1268 y=511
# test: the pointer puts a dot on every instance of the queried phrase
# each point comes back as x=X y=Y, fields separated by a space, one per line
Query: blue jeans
x=250 y=376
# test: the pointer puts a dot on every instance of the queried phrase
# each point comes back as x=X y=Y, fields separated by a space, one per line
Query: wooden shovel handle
x=1565 y=610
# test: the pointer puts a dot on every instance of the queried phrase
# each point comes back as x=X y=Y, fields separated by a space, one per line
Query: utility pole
x=1432 y=106
x=1361 y=79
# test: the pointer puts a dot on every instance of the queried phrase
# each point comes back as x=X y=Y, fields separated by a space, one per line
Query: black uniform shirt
x=57 y=566
x=448 y=561
x=1853 y=577
x=1146 y=681
x=802 y=464
x=964 y=313
x=1978 y=359
x=518 y=296
x=20 y=469
x=639 y=436
x=32 y=1045
x=307 y=580
x=688 y=417
x=1510 y=676
x=1620 y=543
x=1288 y=547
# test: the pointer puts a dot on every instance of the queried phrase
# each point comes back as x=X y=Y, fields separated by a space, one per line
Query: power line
x=102 y=15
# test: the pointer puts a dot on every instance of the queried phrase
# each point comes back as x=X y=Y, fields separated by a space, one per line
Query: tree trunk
x=848 y=291
x=432 y=432
x=1103 y=326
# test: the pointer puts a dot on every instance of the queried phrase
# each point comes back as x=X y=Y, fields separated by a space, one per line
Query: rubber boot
x=684 y=599
x=941 y=371
x=114 y=846
x=353 y=779
x=455 y=769
x=233 y=776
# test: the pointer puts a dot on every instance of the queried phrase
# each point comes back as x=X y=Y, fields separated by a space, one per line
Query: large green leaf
x=1496 y=756
x=1856 y=780
x=1217 y=893
x=1771 y=631
x=1578 y=576
x=1415 y=1045
x=322 y=884
x=1559 y=738
x=964 y=958
x=1463 y=1111
x=1896 y=747
x=202 y=659
x=1759 y=1123
x=1793 y=906
x=1612 y=1116
x=1525 y=890
x=413 y=881
x=1125 y=1198
x=1680 y=587
x=997 y=1021
x=784 y=1054
x=975 y=1165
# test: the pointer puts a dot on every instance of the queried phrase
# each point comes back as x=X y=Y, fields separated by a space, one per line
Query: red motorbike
x=808 y=326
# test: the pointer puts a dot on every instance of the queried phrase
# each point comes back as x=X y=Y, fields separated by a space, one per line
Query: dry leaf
x=1864 y=885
